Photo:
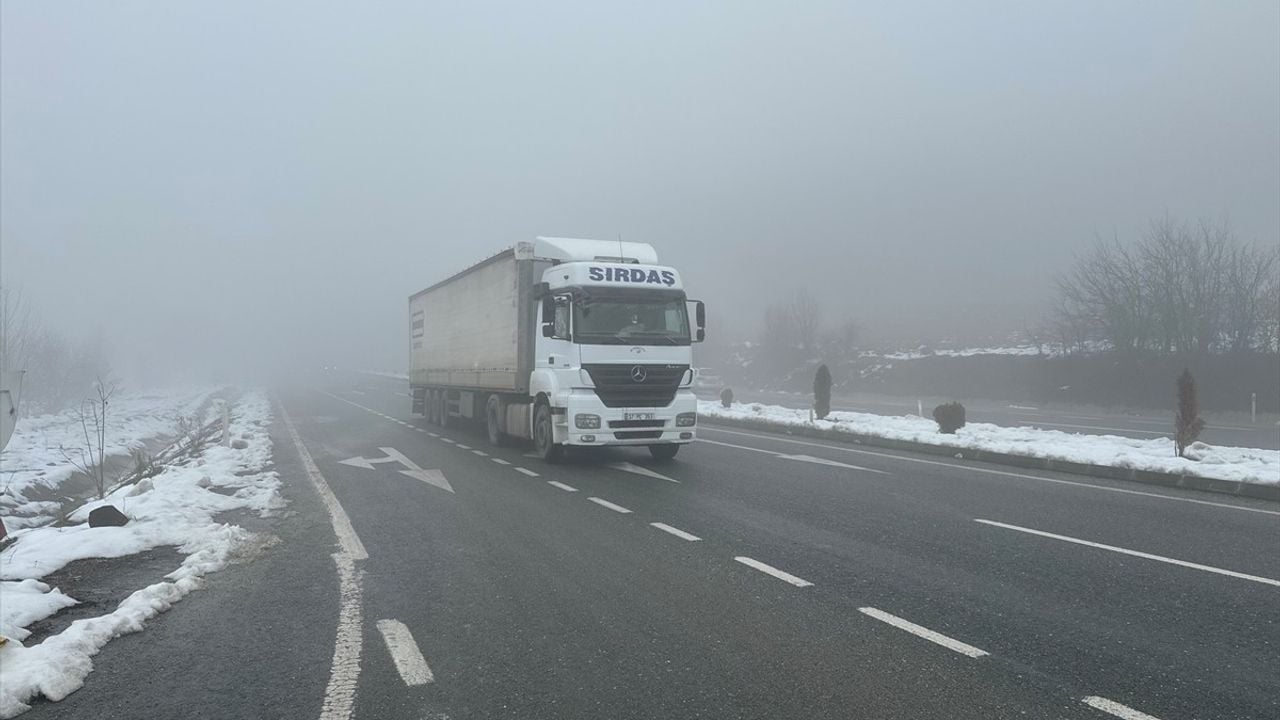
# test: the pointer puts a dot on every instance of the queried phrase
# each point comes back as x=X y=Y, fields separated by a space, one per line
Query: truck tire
x=442 y=409
x=544 y=435
x=663 y=452
x=431 y=407
x=493 y=421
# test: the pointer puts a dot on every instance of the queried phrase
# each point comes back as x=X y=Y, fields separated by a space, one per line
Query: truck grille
x=638 y=435
x=618 y=386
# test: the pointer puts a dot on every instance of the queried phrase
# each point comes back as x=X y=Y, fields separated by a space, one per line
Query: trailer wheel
x=431 y=407
x=663 y=452
x=544 y=435
x=442 y=409
x=493 y=420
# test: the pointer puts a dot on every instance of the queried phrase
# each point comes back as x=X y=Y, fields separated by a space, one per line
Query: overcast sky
x=266 y=182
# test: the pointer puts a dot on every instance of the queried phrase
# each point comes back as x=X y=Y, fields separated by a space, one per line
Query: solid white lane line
x=481 y=453
x=923 y=632
x=738 y=447
x=1112 y=707
x=562 y=486
x=404 y=651
x=1134 y=553
x=500 y=461
x=606 y=503
x=973 y=468
x=526 y=471
x=347 y=538
x=464 y=447
x=771 y=570
x=676 y=531
x=344 y=670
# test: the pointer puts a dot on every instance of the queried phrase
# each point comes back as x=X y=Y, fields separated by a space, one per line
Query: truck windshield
x=631 y=319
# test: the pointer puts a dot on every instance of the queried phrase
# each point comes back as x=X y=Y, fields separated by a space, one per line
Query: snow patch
x=1250 y=465
x=179 y=509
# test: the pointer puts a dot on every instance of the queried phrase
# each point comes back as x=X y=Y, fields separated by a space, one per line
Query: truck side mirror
x=700 y=312
x=548 y=311
x=702 y=335
x=548 y=330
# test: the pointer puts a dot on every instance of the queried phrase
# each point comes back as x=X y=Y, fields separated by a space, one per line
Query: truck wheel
x=492 y=421
x=442 y=409
x=543 y=436
x=663 y=452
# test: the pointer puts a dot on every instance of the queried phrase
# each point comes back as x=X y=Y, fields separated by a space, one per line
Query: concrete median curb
x=1148 y=477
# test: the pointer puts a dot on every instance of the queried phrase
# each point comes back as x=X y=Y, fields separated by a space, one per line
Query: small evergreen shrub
x=726 y=397
x=1187 y=424
x=822 y=392
x=950 y=417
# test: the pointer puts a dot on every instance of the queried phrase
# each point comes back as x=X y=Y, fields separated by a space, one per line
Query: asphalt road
x=785 y=579
x=1232 y=429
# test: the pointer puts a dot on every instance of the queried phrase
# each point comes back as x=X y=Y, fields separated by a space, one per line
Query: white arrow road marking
x=404 y=651
x=638 y=470
x=833 y=463
x=430 y=477
x=366 y=463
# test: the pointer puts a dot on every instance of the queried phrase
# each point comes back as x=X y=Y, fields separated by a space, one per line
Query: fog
x=247 y=186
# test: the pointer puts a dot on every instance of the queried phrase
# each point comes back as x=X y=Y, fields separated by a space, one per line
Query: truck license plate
x=637 y=416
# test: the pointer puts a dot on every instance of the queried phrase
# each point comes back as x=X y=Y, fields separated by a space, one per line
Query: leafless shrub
x=90 y=458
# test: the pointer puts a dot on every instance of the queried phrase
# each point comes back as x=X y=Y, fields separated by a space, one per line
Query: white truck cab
x=614 y=360
x=567 y=341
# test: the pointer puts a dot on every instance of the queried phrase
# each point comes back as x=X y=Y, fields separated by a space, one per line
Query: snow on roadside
x=177 y=507
x=33 y=458
x=1234 y=464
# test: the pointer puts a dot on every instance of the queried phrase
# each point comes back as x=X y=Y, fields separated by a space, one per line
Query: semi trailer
x=565 y=341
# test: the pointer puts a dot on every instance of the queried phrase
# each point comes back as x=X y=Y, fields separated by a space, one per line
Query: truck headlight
x=586 y=421
x=686 y=419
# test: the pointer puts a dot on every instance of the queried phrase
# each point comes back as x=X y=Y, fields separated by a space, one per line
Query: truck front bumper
x=625 y=425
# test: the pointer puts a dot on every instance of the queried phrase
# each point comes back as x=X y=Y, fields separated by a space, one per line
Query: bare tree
x=1105 y=289
x=18 y=329
x=1179 y=289
x=1251 y=272
x=805 y=315
x=91 y=458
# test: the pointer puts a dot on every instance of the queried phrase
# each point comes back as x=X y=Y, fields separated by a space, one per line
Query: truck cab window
x=561 y=319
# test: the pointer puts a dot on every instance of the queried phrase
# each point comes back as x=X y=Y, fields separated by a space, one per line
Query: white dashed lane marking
x=607 y=504
x=771 y=570
x=404 y=651
x=923 y=632
x=676 y=531
x=526 y=471
x=1112 y=707
x=500 y=461
x=562 y=486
